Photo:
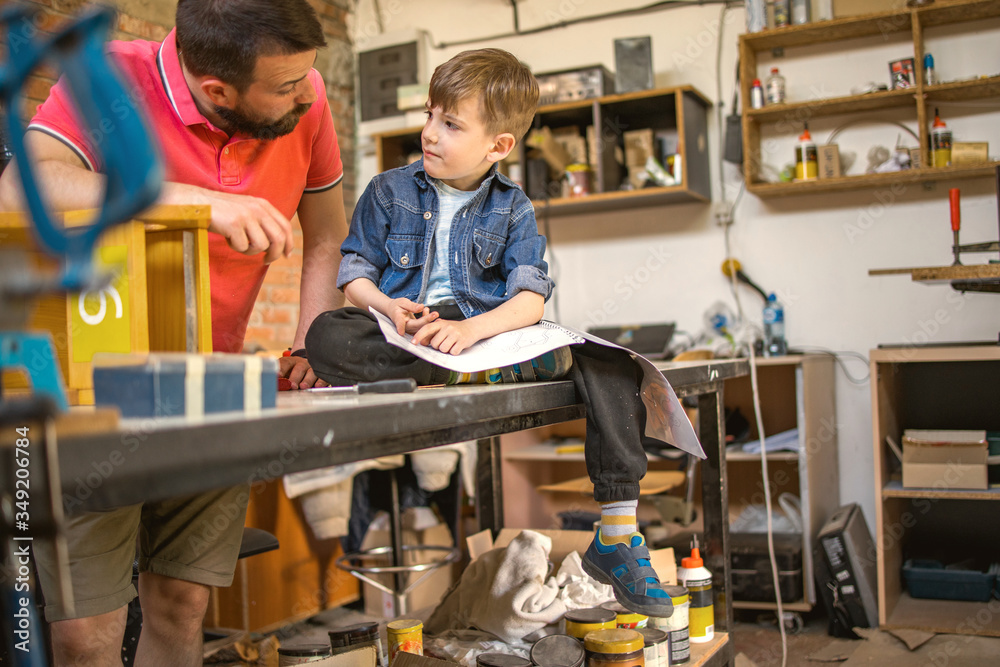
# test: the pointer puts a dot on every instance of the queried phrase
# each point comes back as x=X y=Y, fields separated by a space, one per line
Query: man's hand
x=250 y=225
x=448 y=336
x=409 y=317
x=299 y=372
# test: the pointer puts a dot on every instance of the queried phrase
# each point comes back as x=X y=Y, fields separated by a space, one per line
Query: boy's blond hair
x=506 y=89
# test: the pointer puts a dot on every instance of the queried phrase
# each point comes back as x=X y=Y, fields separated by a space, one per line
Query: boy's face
x=457 y=150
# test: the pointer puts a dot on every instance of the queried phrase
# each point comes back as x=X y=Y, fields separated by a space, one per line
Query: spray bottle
x=806 y=159
x=693 y=575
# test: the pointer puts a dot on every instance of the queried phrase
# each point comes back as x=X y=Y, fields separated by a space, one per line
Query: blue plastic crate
x=930 y=579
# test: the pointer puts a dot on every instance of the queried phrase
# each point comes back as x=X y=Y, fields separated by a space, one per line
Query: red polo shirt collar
x=168 y=62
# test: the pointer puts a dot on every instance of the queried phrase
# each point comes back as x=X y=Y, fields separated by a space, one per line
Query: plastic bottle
x=774 y=328
x=824 y=10
x=756 y=95
x=806 y=158
x=800 y=12
x=775 y=87
x=929 y=78
x=756 y=11
x=693 y=575
x=781 y=13
x=940 y=142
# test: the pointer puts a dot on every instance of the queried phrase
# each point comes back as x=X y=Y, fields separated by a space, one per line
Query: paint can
x=302 y=654
x=406 y=635
x=557 y=651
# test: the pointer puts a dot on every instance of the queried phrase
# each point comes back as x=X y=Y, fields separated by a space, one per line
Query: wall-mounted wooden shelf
x=683 y=109
x=920 y=98
x=859 y=181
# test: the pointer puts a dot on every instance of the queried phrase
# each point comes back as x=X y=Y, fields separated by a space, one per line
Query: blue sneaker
x=628 y=571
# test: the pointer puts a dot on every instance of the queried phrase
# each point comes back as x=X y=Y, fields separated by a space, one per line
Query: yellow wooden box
x=158 y=300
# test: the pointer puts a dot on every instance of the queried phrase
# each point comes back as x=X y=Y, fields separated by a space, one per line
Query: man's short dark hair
x=224 y=38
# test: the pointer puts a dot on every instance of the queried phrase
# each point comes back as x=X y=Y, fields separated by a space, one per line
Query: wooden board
x=944 y=273
x=655 y=481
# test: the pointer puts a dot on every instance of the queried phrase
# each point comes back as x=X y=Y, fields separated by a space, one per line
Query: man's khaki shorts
x=196 y=538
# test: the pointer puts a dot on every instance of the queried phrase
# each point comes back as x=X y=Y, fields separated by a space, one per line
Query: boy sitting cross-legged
x=449 y=250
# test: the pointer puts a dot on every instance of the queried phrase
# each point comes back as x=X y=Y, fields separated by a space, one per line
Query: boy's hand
x=408 y=316
x=448 y=336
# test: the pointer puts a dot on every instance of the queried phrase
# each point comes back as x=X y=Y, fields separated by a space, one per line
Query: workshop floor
x=757 y=643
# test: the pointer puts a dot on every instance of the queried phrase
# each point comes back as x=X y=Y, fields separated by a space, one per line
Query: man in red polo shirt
x=244 y=126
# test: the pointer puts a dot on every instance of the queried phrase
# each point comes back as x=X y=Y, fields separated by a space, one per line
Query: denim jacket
x=494 y=241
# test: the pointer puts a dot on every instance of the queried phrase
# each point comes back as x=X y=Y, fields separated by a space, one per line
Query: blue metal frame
x=132 y=163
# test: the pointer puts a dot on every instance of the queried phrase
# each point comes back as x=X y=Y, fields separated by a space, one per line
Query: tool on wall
x=133 y=173
x=983 y=277
x=731 y=267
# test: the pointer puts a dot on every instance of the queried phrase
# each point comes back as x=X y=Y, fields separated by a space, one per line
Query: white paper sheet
x=665 y=418
x=504 y=349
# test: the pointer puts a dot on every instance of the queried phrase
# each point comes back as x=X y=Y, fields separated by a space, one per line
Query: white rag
x=518 y=600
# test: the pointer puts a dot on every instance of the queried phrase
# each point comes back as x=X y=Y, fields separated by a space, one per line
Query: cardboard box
x=829 y=161
x=842 y=8
x=566 y=541
x=573 y=143
x=426 y=594
x=970 y=152
x=639 y=147
x=945 y=459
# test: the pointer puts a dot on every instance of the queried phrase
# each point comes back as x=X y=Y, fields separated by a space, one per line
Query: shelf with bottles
x=669 y=124
x=964 y=19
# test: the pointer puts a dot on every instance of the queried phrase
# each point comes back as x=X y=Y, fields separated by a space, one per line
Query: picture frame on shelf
x=902 y=74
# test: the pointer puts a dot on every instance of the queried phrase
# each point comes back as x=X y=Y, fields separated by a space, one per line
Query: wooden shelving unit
x=797 y=391
x=932 y=388
x=919 y=98
x=683 y=109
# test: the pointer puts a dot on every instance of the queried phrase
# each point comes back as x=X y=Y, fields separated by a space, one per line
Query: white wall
x=814 y=251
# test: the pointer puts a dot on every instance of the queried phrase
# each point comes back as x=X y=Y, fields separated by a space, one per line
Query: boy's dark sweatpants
x=346 y=346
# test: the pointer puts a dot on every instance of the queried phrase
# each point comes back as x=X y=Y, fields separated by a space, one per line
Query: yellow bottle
x=694 y=576
x=806 y=158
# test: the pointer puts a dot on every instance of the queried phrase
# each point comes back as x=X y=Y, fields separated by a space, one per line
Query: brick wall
x=272 y=325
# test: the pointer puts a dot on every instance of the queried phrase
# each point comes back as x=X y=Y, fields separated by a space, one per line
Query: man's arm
x=249 y=224
x=324 y=228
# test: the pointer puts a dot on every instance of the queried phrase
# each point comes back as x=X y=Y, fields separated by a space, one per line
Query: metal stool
x=353 y=562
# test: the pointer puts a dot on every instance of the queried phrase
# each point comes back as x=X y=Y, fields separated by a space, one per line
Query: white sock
x=618 y=521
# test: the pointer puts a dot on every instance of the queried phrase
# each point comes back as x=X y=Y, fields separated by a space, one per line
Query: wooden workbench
x=161 y=458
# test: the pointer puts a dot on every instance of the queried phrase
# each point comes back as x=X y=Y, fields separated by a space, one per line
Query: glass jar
x=614 y=648
x=581 y=621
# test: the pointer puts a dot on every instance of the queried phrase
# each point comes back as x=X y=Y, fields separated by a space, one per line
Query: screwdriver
x=395 y=386
x=956 y=223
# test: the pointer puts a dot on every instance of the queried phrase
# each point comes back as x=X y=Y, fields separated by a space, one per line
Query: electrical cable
x=767 y=506
x=869 y=119
x=837 y=358
x=646 y=9
x=718 y=100
x=553 y=261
